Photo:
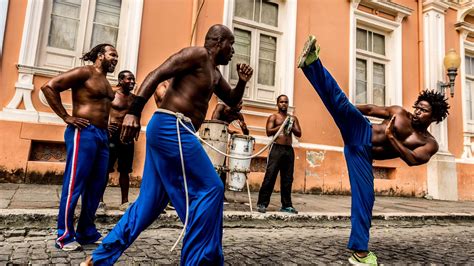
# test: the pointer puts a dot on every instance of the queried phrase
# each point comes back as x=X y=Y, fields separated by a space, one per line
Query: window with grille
x=256 y=26
x=371 y=65
x=73 y=27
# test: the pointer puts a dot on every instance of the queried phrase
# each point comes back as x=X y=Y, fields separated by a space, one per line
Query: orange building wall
x=166 y=28
x=465 y=181
x=11 y=49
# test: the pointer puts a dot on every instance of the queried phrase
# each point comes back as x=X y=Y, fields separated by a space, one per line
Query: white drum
x=241 y=145
x=215 y=133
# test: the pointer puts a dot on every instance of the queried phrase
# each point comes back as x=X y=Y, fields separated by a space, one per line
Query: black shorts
x=122 y=154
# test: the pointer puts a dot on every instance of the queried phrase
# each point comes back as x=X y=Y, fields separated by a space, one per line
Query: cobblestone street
x=393 y=243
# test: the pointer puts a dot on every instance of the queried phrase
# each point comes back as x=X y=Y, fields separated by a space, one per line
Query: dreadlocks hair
x=94 y=52
x=439 y=104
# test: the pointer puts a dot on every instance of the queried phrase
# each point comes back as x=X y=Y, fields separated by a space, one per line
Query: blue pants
x=85 y=176
x=356 y=132
x=163 y=180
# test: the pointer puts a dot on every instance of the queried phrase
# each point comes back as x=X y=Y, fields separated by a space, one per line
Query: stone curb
x=41 y=218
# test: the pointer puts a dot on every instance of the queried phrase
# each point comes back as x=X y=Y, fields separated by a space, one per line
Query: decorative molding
x=287 y=55
x=393 y=30
x=389 y=7
x=27 y=68
x=435 y=5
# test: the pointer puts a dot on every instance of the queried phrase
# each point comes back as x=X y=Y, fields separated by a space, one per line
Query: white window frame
x=393 y=45
x=469 y=51
x=285 y=58
x=28 y=58
x=63 y=60
x=371 y=58
x=3 y=21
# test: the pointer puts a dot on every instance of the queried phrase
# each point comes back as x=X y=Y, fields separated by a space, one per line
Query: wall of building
x=319 y=165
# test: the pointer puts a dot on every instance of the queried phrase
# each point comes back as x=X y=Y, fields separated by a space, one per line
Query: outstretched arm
x=52 y=89
x=184 y=60
x=418 y=156
x=384 y=112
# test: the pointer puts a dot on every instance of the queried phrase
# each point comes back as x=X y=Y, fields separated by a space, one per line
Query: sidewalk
x=39 y=203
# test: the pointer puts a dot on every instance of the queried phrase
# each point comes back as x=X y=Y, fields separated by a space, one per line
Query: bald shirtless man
x=281 y=158
x=401 y=135
x=120 y=152
x=195 y=77
x=87 y=142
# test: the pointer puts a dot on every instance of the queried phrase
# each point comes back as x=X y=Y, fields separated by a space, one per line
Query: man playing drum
x=173 y=152
x=281 y=158
x=229 y=114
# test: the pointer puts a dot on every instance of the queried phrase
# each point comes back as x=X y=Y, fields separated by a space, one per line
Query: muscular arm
x=419 y=155
x=296 y=128
x=52 y=89
x=383 y=112
x=271 y=128
x=184 y=60
x=216 y=115
x=243 y=125
x=233 y=96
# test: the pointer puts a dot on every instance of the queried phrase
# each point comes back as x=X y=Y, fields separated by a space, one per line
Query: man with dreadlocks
x=87 y=142
x=400 y=135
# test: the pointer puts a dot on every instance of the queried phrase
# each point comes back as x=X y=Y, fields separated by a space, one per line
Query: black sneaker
x=261 y=208
x=289 y=210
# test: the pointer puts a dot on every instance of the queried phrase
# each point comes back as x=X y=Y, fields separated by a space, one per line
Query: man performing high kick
x=401 y=135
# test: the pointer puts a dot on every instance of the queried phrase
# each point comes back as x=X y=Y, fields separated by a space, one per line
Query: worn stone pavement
x=395 y=243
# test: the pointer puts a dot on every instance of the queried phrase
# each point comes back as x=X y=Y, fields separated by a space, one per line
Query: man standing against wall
x=280 y=159
x=87 y=142
x=120 y=152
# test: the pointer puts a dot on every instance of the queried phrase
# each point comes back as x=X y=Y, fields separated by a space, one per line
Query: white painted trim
x=3 y=21
x=255 y=113
x=286 y=58
x=315 y=146
x=27 y=68
x=393 y=36
x=434 y=50
x=131 y=42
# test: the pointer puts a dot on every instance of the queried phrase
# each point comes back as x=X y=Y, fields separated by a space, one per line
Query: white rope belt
x=179 y=120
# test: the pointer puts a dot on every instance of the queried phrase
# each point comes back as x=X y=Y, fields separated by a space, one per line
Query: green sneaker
x=310 y=52
x=370 y=259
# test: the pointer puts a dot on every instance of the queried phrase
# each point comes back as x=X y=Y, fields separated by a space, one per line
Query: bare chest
x=98 y=87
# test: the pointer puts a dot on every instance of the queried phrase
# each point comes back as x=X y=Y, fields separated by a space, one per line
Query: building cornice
x=435 y=5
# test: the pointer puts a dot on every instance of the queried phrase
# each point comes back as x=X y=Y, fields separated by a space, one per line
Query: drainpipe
x=193 y=22
x=420 y=46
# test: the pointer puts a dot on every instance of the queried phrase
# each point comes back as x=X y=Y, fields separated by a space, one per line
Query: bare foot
x=88 y=262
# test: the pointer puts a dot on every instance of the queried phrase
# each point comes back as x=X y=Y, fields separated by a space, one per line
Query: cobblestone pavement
x=402 y=243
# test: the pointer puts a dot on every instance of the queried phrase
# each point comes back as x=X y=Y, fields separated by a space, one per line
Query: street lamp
x=451 y=63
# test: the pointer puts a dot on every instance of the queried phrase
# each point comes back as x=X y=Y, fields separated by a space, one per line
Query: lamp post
x=451 y=64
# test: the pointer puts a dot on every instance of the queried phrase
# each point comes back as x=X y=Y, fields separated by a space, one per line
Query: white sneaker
x=124 y=206
x=72 y=246
x=101 y=209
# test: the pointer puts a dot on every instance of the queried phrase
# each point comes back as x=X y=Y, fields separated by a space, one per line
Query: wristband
x=137 y=106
